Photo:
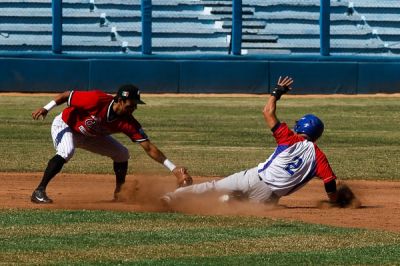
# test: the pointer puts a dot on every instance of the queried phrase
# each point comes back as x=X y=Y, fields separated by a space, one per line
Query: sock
x=53 y=167
x=120 y=170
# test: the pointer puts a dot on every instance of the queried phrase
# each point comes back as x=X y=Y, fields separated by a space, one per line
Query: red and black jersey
x=88 y=113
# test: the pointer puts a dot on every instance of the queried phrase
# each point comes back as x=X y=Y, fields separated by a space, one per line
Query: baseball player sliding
x=87 y=123
x=295 y=161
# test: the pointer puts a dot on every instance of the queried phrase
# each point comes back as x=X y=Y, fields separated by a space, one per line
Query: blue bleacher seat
x=184 y=26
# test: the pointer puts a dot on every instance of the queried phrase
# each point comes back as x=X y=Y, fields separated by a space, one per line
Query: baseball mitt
x=183 y=177
x=345 y=199
x=345 y=196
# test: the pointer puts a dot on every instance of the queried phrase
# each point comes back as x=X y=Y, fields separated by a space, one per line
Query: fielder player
x=295 y=161
x=87 y=123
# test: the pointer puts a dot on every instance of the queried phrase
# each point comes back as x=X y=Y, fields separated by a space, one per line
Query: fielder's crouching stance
x=87 y=122
x=295 y=161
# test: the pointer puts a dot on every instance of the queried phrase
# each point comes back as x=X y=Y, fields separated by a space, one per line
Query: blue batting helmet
x=310 y=125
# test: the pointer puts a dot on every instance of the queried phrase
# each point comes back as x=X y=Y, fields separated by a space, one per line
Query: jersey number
x=290 y=167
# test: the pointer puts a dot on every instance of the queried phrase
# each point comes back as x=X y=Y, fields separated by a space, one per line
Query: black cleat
x=40 y=196
x=117 y=194
x=117 y=198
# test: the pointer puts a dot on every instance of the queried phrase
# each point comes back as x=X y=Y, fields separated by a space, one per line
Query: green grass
x=109 y=238
x=218 y=136
x=213 y=137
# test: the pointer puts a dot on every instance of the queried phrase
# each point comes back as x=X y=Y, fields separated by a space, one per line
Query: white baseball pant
x=246 y=182
x=65 y=141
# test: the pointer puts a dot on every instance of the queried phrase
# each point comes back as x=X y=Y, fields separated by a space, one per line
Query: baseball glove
x=345 y=196
x=183 y=177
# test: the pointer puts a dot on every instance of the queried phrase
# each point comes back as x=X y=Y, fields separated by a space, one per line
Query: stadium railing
x=224 y=27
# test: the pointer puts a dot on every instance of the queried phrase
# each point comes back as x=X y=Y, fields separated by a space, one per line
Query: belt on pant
x=274 y=197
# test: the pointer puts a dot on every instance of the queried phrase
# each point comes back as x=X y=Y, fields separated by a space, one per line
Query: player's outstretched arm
x=43 y=111
x=181 y=174
x=269 y=111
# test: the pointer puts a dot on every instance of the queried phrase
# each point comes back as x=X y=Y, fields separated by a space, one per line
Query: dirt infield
x=380 y=205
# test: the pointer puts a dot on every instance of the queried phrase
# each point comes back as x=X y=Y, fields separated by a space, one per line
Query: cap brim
x=139 y=102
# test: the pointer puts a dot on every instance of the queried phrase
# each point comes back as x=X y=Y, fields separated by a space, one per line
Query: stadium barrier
x=217 y=75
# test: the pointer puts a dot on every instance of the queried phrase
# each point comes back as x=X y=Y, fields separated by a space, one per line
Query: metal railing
x=200 y=27
x=236 y=40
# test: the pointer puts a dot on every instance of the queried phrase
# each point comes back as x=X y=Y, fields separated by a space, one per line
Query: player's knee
x=122 y=155
x=204 y=187
x=66 y=155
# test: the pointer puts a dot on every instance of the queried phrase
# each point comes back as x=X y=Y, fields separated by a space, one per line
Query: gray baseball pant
x=246 y=182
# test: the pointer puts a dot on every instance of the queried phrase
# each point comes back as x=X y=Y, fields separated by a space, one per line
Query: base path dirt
x=380 y=207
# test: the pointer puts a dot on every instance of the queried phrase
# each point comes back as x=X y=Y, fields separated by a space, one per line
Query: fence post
x=236 y=27
x=146 y=8
x=57 y=26
x=324 y=24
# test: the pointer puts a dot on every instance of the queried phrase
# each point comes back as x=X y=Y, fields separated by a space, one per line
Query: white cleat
x=166 y=200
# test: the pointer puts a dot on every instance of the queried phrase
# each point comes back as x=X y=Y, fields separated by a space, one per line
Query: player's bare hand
x=183 y=178
x=41 y=112
x=282 y=87
x=285 y=82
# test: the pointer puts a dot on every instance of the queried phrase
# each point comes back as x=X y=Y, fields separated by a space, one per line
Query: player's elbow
x=146 y=145
x=270 y=107
x=268 y=112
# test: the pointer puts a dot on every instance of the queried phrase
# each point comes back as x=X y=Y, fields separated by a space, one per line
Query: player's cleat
x=40 y=196
x=166 y=200
x=118 y=197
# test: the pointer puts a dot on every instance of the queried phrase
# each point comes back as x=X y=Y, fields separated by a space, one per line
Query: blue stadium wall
x=201 y=74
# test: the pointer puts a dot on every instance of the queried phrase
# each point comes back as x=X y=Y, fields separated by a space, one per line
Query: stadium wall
x=201 y=74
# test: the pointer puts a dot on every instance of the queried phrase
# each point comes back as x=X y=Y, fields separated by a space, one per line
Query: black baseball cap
x=129 y=91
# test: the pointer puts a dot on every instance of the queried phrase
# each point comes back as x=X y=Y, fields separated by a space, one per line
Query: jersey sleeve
x=85 y=100
x=323 y=169
x=139 y=136
x=133 y=130
x=284 y=136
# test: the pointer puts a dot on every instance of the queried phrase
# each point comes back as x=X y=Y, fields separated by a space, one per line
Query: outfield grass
x=110 y=238
x=218 y=136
